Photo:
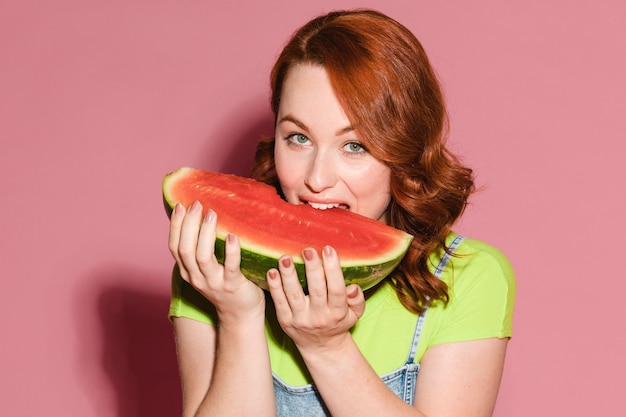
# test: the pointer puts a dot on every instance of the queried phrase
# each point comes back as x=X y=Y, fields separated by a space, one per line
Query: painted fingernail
x=286 y=262
x=231 y=238
x=272 y=274
x=209 y=216
x=308 y=254
x=195 y=207
x=178 y=209
x=353 y=292
x=328 y=252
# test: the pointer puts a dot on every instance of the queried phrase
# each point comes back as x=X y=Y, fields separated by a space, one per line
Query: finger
x=315 y=278
x=232 y=258
x=291 y=285
x=281 y=305
x=336 y=287
x=356 y=300
x=188 y=244
x=176 y=221
x=205 y=250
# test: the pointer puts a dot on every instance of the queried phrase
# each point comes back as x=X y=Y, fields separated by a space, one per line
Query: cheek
x=378 y=179
x=280 y=163
x=381 y=189
x=287 y=174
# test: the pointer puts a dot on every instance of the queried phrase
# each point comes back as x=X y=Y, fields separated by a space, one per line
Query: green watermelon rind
x=254 y=266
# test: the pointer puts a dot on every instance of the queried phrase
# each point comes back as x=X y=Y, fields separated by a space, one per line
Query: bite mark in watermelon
x=269 y=227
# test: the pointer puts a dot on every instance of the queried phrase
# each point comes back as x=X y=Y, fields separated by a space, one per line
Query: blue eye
x=354 y=147
x=298 y=139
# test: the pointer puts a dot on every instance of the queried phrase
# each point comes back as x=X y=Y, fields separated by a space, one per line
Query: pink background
x=98 y=100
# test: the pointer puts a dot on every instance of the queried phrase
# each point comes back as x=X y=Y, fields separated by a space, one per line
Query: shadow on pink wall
x=126 y=354
x=139 y=355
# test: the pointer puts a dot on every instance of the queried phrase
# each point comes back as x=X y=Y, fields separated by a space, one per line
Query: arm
x=457 y=379
x=461 y=379
x=212 y=359
x=195 y=345
x=211 y=362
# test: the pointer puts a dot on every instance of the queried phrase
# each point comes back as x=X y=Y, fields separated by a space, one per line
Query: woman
x=360 y=123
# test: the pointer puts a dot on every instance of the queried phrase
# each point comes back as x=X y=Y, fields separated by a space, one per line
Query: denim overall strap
x=420 y=321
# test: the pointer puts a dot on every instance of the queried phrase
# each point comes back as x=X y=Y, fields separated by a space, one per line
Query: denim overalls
x=305 y=401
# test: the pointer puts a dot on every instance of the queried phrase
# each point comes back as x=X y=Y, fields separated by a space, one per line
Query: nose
x=321 y=173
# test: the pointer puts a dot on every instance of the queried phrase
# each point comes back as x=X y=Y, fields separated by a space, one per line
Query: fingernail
x=272 y=274
x=328 y=252
x=195 y=207
x=209 y=216
x=286 y=262
x=231 y=238
x=308 y=254
x=178 y=209
x=352 y=292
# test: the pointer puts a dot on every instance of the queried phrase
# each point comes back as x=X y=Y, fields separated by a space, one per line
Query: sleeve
x=189 y=303
x=482 y=296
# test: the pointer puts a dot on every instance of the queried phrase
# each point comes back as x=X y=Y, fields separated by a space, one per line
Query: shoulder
x=478 y=264
x=481 y=286
x=479 y=272
x=479 y=252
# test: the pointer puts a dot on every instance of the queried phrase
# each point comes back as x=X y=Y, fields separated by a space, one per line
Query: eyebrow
x=301 y=125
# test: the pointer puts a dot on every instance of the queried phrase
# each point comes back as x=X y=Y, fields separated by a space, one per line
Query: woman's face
x=319 y=158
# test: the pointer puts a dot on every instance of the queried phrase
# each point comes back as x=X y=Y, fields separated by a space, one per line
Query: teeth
x=322 y=206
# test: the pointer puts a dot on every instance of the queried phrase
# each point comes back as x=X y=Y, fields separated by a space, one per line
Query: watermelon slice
x=269 y=227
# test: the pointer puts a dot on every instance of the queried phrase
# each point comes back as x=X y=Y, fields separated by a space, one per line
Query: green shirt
x=481 y=286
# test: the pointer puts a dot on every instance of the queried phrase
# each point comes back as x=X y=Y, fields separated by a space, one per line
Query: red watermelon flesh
x=269 y=227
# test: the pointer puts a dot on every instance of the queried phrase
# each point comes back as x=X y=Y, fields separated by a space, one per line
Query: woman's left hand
x=321 y=318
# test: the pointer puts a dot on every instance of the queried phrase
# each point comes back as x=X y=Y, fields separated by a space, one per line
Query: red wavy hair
x=384 y=81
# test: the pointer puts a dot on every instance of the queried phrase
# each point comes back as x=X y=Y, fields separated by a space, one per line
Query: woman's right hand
x=192 y=244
